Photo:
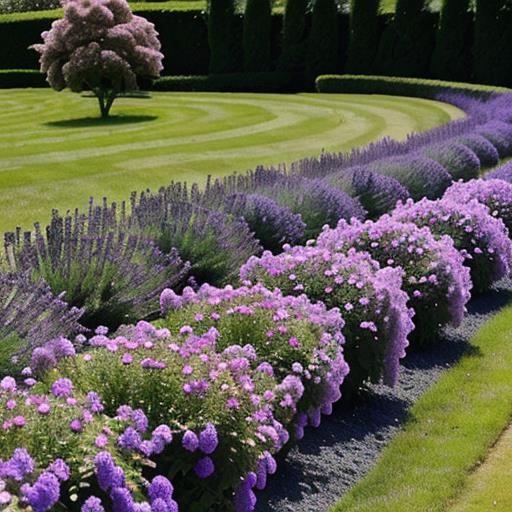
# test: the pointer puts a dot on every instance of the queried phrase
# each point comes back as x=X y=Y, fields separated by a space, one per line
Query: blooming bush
x=499 y=134
x=435 y=278
x=272 y=224
x=377 y=193
x=214 y=243
x=377 y=320
x=30 y=315
x=504 y=172
x=316 y=201
x=482 y=147
x=460 y=161
x=482 y=239
x=421 y=176
x=495 y=194
x=100 y=46
x=113 y=275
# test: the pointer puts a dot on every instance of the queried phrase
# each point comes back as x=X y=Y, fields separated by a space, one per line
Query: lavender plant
x=377 y=194
x=316 y=201
x=482 y=147
x=435 y=280
x=377 y=320
x=504 y=173
x=494 y=193
x=421 y=176
x=214 y=243
x=99 y=45
x=500 y=136
x=114 y=275
x=29 y=316
x=460 y=161
x=272 y=224
x=480 y=238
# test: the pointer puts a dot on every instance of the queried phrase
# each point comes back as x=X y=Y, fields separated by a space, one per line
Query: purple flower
x=44 y=494
x=208 y=439
x=190 y=441
x=161 y=488
x=204 y=468
x=18 y=466
x=8 y=384
x=105 y=470
x=60 y=469
x=62 y=388
x=92 y=504
x=122 y=500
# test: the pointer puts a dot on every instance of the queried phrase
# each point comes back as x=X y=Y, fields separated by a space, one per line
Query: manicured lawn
x=451 y=429
x=55 y=153
x=490 y=486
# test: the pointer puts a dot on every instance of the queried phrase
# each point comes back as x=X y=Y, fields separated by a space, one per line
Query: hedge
x=233 y=82
x=399 y=86
x=12 y=78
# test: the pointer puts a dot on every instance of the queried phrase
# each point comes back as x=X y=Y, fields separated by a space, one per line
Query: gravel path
x=332 y=458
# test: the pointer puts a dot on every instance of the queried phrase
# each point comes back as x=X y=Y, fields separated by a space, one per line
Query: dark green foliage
x=493 y=42
x=294 y=35
x=221 y=36
x=364 y=35
x=273 y=81
x=10 y=78
x=452 y=54
x=323 y=44
x=408 y=41
x=257 y=35
x=399 y=86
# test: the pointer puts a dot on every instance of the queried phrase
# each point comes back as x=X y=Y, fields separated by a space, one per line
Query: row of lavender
x=206 y=397
x=244 y=369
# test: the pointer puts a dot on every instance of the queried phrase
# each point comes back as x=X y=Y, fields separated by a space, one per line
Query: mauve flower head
x=105 y=470
x=18 y=466
x=92 y=504
x=204 y=468
x=8 y=384
x=208 y=439
x=160 y=488
x=44 y=494
x=62 y=388
x=190 y=441
x=122 y=499
x=60 y=469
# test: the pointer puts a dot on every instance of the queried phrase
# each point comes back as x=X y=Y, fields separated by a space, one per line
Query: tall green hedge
x=364 y=36
x=408 y=41
x=323 y=45
x=295 y=31
x=221 y=36
x=492 y=61
x=257 y=35
x=452 y=55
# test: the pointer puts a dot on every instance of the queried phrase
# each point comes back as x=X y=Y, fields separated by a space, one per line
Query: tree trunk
x=106 y=100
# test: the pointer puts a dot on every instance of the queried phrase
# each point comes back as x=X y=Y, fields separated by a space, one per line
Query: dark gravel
x=332 y=458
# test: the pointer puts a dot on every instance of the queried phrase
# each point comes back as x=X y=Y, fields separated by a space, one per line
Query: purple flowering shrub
x=377 y=319
x=482 y=147
x=29 y=315
x=51 y=451
x=316 y=201
x=494 y=193
x=272 y=224
x=435 y=279
x=421 y=176
x=500 y=136
x=100 y=46
x=114 y=275
x=284 y=332
x=504 y=172
x=480 y=238
x=377 y=193
x=459 y=160
x=226 y=412
x=215 y=243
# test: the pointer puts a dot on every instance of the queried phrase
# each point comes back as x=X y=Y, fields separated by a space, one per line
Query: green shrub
x=294 y=35
x=12 y=78
x=257 y=35
x=272 y=81
x=400 y=86
x=221 y=36
x=364 y=35
x=452 y=55
x=323 y=44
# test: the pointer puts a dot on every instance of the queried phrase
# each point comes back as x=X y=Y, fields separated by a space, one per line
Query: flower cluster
x=482 y=147
x=377 y=319
x=496 y=194
x=377 y=193
x=458 y=159
x=481 y=238
x=435 y=280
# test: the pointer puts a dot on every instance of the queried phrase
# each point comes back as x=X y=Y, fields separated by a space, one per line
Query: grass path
x=55 y=153
x=489 y=488
x=451 y=429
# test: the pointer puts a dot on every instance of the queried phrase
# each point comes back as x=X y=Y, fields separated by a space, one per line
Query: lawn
x=55 y=153
x=450 y=431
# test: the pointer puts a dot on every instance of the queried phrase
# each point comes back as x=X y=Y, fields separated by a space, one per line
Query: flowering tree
x=100 y=46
